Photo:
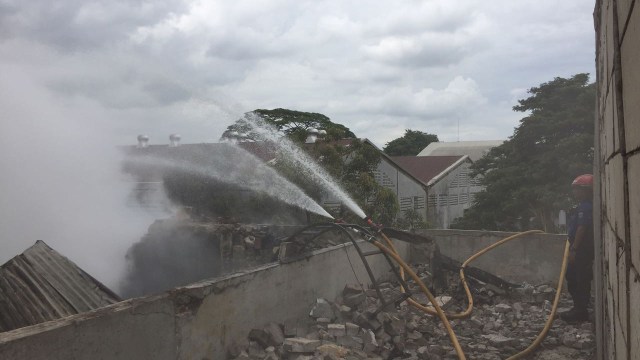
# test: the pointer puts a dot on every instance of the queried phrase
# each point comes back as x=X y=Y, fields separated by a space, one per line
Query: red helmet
x=583 y=180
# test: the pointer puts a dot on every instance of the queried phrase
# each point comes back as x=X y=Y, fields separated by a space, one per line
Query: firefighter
x=580 y=263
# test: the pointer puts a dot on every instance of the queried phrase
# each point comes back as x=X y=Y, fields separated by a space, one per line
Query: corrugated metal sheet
x=41 y=285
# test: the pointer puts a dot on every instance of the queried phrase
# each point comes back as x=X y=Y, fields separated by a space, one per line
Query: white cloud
x=193 y=66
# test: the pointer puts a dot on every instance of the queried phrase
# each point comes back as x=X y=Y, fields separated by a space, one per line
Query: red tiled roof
x=425 y=168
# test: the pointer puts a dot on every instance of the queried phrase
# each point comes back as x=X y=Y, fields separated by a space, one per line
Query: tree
x=350 y=163
x=411 y=143
x=528 y=177
x=293 y=124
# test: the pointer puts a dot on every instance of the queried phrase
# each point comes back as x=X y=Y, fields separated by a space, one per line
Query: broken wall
x=198 y=321
x=535 y=258
x=617 y=25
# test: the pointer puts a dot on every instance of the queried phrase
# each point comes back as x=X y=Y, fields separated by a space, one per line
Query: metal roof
x=475 y=149
x=425 y=168
x=41 y=285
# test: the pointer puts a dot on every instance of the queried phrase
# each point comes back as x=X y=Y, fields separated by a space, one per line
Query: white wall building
x=446 y=182
x=437 y=187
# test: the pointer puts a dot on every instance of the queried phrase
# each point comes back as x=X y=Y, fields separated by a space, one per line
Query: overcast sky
x=379 y=67
x=78 y=77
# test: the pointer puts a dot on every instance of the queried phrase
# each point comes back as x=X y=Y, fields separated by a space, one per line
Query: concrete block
x=634 y=293
x=322 y=309
x=352 y=329
x=622 y=299
x=351 y=342
x=260 y=336
x=615 y=172
x=633 y=174
x=337 y=330
x=606 y=196
x=370 y=343
x=623 y=7
x=609 y=127
x=630 y=52
x=300 y=345
x=611 y=258
x=609 y=39
x=610 y=323
x=353 y=300
x=601 y=56
x=621 y=344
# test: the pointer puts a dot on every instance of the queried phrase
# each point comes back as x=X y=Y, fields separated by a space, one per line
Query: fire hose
x=390 y=250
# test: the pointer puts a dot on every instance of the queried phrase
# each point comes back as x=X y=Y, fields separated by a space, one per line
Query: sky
x=80 y=77
x=378 y=67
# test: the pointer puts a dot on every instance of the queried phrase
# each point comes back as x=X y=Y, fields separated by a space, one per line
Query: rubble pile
x=502 y=324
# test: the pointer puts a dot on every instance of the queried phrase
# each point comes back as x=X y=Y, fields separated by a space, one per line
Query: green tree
x=411 y=143
x=411 y=220
x=293 y=124
x=351 y=163
x=528 y=177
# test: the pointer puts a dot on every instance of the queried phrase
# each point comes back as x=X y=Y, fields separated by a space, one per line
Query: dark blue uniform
x=580 y=273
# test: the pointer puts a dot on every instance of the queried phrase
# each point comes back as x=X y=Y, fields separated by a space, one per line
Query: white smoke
x=60 y=180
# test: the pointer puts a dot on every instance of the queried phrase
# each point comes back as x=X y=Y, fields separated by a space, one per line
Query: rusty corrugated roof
x=425 y=168
x=41 y=285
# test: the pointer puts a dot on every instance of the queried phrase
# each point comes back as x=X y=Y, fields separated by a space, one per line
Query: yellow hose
x=392 y=251
x=552 y=315
x=432 y=299
x=467 y=291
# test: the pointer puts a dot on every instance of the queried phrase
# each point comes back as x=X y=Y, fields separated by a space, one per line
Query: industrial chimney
x=174 y=140
x=143 y=141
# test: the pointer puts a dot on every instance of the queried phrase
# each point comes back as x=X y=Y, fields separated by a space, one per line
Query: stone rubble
x=501 y=325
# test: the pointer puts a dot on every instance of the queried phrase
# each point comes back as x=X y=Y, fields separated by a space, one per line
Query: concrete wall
x=534 y=259
x=617 y=165
x=198 y=321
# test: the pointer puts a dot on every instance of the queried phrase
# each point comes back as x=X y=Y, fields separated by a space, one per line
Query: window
x=418 y=202
x=453 y=199
x=406 y=203
x=383 y=179
x=433 y=201
x=464 y=178
x=455 y=182
x=442 y=199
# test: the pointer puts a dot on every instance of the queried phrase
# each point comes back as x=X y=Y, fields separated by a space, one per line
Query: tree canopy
x=293 y=124
x=528 y=177
x=352 y=163
x=411 y=143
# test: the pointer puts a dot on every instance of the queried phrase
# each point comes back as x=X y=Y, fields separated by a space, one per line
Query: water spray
x=238 y=167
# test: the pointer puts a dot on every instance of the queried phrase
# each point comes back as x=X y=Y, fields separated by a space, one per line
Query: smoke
x=61 y=180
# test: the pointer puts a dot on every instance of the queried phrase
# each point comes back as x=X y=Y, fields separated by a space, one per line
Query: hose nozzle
x=376 y=227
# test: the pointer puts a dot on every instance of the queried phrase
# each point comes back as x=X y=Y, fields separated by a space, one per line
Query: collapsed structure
x=210 y=318
x=41 y=285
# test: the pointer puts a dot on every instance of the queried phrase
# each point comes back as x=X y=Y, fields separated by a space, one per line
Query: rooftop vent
x=312 y=135
x=143 y=141
x=174 y=140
